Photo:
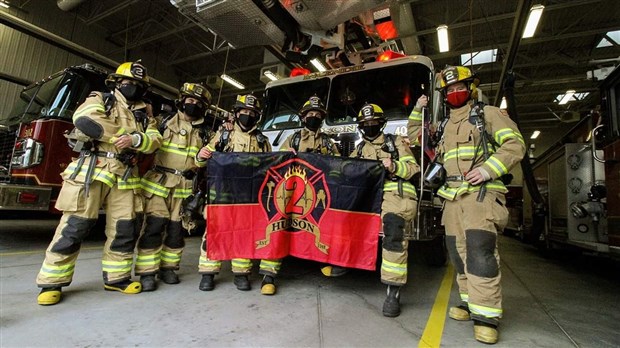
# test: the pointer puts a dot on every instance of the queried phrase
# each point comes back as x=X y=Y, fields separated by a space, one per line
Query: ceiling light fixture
x=535 y=134
x=318 y=64
x=503 y=104
x=567 y=97
x=4 y=4
x=270 y=75
x=532 y=20
x=232 y=81
x=442 y=36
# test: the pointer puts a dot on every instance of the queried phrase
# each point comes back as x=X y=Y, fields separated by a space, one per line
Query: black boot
x=148 y=282
x=168 y=276
x=242 y=282
x=391 y=306
x=207 y=283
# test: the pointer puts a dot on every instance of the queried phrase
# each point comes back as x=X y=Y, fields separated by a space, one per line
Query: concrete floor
x=564 y=301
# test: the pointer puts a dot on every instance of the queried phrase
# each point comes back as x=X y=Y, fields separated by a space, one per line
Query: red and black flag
x=270 y=205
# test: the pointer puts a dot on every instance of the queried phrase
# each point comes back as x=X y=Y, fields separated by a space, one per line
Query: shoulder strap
x=359 y=148
x=295 y=140
x=262 y=140
x=390 y=146
x=108 y=101
x=224 y=138
x=327 y=144
x=164 y=123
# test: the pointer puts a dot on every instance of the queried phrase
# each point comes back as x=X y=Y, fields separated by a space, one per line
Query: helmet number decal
x=367 y=111
x=449 y=75
x=137 y=71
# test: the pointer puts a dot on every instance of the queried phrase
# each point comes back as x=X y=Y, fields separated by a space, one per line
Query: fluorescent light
x=4 y=4
x=567 y=97
x=532 y=20
x=613 y=35
x=318 y=64
x=480 y=57
x=232 y=81
x=270 y=75
x=442 y=36
x=503 y=104
x=535 y=134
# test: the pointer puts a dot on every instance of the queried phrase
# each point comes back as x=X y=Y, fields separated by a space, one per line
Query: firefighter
x=244 y=137
x=479 y=146
x=311 y=139
x=113 y=128
x=169 y=182
x=399 y=198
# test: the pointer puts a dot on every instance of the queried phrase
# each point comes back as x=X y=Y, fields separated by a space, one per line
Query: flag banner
x=311 y=206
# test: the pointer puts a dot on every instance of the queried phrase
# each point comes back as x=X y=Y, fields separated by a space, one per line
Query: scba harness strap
x=225 y=139
x=325 y=143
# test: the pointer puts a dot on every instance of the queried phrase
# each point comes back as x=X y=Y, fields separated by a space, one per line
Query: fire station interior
x=552 y=65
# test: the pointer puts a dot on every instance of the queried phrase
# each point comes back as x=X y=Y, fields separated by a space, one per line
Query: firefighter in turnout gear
x=399 y=198
x=169 y=182
x=479 y=145
x=244 y=137
x=104 y=175
x=311 y=139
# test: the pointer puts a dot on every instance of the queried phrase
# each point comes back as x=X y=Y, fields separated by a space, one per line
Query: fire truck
x=33 y=149
x=579 y=181
x=394 y=82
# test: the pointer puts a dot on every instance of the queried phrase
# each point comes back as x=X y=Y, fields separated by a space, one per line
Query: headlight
x=28 y=153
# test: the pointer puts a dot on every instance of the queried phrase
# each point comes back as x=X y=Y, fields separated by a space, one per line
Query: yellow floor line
x=434 y=326
x=40 y=251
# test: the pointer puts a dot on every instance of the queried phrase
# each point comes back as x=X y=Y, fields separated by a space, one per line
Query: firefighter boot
x=126 y=287
x=485 y=332
x=391 y=306
x=242 y=282
x=49 y=296
x=334 y=271
x=460 y=313
x=148 y=282
x=207 y=283
x=168 y=276
x=268 y=286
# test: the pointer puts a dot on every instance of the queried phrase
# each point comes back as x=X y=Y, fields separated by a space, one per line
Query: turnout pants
x=161 y=242
x=471 y=238
x=396 y=212
x=123 y=211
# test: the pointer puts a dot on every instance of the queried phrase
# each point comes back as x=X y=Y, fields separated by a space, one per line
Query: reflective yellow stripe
x=170 y=257
x=415 y=116
x=241 y=263
x=87 y=110
x=210 y=263
x=266 y=264
x=464 y=297
x=497 y=166
x=99 y=174
x=182 y=193
x=395 y=268
x=505 y=133
x=190 y=151
x=131 y=183
x=464 y=152
x=393 y=186
x=57 y=271
x=116 y=266
x=210 y=148
x=451 y=193
x=488 y=312
x=148 y=260
x=154 y=188
x=146 y=143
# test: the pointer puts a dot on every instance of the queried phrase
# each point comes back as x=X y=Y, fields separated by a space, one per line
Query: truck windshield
x=283 y=102
x=55 y=98
x=395 y=89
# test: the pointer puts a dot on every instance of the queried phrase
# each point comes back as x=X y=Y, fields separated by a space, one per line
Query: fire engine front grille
x=346 y=143
x=7 y=142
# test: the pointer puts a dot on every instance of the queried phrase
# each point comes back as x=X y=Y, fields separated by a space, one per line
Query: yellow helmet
x=130 y=70
x=248 y=101
x=195 y=90
x=370 y=112
x=453 y=74
x=314 y=103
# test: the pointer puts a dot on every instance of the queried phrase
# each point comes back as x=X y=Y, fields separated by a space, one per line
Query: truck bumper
x=23 y=197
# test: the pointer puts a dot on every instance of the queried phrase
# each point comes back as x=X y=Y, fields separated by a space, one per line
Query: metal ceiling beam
x=109 y=12
x=159 y=36
x=80 y=51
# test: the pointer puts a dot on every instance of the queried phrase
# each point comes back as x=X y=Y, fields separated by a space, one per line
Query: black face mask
x=246 y=122
x=132 y=92
x=194 y=110
x=371 y=132
x=313 y=123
